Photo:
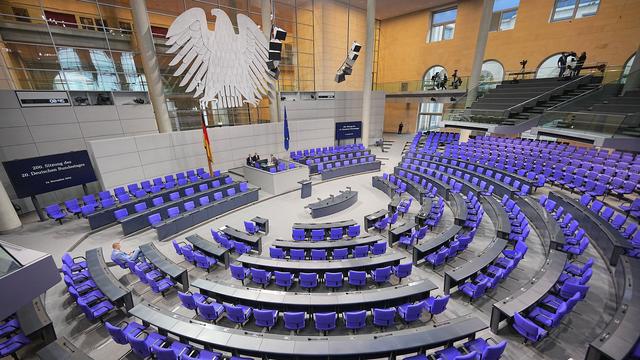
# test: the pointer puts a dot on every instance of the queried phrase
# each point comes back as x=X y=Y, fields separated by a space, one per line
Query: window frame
x=573 y=14
x=443 y=24
x=428 y=115
x=501 y=13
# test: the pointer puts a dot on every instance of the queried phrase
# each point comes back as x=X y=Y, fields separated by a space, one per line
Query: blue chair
x=379 y=248
x=528 y=329
x=250 y=227
x=261 y=277
x=142 y=342
x=73 y=264
x=317 y=235
x=437 y=258
x=297 y=254
x=357 y=278
x=436 y=305
x=54 y=212
x=95 y=309
x=335 y=233
x=318 y=254
x=120 y=213
x=294 y=320
x=473 y=290
x=210 y=311
x=240 y=247
x=238 y=314
x=119 y=333
x=190 y=300
x=284 y=279
x=73 y=207
x=384 y=317
x=159 y=285
x=265 y=318
x=411 y=312
x=452 y=353
x=325 y=321
x=484 y=349
x=203 y=261
x=276 y=253
x=382 y=224
x=355 y=320
x=361 y=251
x=308 y=280
x=381 y=275
x=353 y=231
x=199 y=354
x=239 y=273
x=402 y=271
x=548 y=318
x=333 y=280
x=340 y=253
x=298 y=234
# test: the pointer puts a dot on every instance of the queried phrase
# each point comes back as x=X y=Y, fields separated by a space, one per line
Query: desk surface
x=314 y=302
x=326 y=225
x=365 y=346
x=322 y=266
x=498 y=215
x=548 y=228
x=377 y=215
x=344 y=196
x=328 y=244
x=240 y=235
x=33 y=316
x=434 y=243
x=478 y=262
x=167 y=266
x=539 y=285
x=62 y=349
x=103 y=277
x=205 y=245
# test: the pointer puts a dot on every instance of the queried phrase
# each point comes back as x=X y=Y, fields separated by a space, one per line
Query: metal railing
x=422 y=86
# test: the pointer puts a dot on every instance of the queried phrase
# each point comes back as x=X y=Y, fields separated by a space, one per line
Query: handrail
x=506 y=112
x=590 y=92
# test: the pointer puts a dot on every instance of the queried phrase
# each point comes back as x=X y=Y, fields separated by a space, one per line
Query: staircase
x=554 y=100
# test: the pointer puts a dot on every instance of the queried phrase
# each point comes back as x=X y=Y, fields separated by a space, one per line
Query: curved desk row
x=210 y=249
x=139 y=220
x=608 y=239
x=255 y=241
x=326 y=226
x=322 y=266
x=621 y=335
x=62 y=349
x=541 y=283
x=424 y=248
x=105 y=216
x=339 y=155
x=403 y=229
x=414 y=189
x=459 y=207
x=176 y=272
x=35 y=322
x=327 y=245
x=466 y=185
x=313 y=168
x=460 y=274
x=384 y=185
x=371 y=219
x=317 y=302
x=201 y=214
x=350 y=170
x=273 y=346
x=443 y=188
x=424 y=212
x=108 y=284
x=333 y=204
x=498 y=215
x=548 y=228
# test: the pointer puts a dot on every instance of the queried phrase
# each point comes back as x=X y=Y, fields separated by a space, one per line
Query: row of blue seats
x=193 y=256
x=93 y=303
x=147 y=343
x=279 y=168
x=320 y=234
x=310 y=280
x=575 y=239
x=106 y=200
x=343 y=156
x=476 y=349
x=12 y=338
x=402 y=187
x=337 y=254
x=386 y=221
x=325 y=150
x=224 y=241
x=148 y=274
x=534 y=324
x=211 y=310
x=330 y=165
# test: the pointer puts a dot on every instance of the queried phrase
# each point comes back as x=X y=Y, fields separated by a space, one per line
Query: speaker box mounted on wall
x=278 y=36
x=346 y=68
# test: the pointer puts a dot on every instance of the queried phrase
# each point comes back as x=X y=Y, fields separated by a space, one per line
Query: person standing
x=562 y=64
x=455 y=79
x=255 y=157
x=400 y=126
x=249 y=160
x=580 y=63
x=443 y=84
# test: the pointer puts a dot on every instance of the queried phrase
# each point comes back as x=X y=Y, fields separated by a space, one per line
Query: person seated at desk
x=249 y=160
x=274 y=160
x=255 y=157
x=119 y=256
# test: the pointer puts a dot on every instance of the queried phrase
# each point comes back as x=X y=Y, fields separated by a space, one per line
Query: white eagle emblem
x=221 y=66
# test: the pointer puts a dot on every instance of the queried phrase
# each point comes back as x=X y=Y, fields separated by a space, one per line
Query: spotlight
x=340 y=77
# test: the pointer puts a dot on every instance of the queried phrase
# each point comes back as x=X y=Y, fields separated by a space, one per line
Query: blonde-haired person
x=120 y=257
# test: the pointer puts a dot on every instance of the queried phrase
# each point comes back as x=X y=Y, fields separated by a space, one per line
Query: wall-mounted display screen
x=348 y=130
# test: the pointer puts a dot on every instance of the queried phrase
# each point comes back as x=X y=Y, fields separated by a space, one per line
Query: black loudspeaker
x=274 y=55
x=340 y=77
x=272 y=65
x=275 y=73
x=279 y=34
x=347 y=70
x=275 y=45
x=355 y=47
x=353 y=55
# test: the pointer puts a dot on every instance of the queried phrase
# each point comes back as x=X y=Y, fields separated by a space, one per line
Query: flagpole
x=207 y=147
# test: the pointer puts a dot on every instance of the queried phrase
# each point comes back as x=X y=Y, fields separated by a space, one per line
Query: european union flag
x=286 y=130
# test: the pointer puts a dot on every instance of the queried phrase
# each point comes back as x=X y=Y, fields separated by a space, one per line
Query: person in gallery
x=400 y=126
x=249 y=160
x=119 y=256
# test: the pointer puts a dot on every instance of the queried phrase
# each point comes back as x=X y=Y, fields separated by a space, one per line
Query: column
x=274 y=96
x=478 y=56
x=150 y=65
x=633 y=79
x=9 y=220
x=368 y=71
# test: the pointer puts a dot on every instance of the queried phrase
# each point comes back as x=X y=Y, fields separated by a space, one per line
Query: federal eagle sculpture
x=220 y=66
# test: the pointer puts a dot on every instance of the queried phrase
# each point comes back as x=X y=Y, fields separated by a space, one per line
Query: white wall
x=37 y=131
x=130 y=159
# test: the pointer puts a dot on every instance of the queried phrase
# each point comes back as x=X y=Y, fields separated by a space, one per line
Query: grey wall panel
x=123 y=177
x=101 y=128
x=49 y=115
x=96 y=113
x=8 y=100
x=134 y=111
x=157 y=155
x=124 y=145
x=55 y=132
x=156 y=141
x=15 y=136
x=60 y=146
x=18 y=151
x=11 y=118
x=119 y=162
x=140 y=125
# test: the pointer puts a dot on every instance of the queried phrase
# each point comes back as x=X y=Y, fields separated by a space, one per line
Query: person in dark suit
x=400 y=126
x=255 y=157
x=249 y=160
x=562 y=64
x=580 y=63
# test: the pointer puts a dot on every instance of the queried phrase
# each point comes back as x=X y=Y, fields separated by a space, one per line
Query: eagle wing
x=255 y=53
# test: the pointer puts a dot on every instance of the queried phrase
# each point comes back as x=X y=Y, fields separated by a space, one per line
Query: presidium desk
x=333 y=204
x=278 y=182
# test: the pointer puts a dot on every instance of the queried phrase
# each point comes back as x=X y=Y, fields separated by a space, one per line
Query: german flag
x=206 y=143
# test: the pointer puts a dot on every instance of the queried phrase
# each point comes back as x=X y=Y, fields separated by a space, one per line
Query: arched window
x=627 y=69
x=492 y=71
x=427 y=82
x=549 y=67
